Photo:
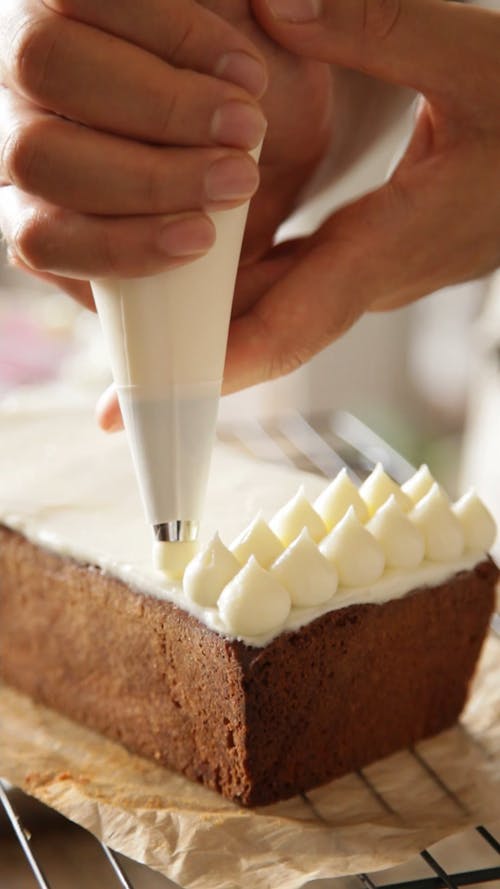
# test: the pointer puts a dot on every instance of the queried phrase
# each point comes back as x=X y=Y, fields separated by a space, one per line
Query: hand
x=435 y=223
x=96 y=99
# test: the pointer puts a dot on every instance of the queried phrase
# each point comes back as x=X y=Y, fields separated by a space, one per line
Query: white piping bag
x=167 y=337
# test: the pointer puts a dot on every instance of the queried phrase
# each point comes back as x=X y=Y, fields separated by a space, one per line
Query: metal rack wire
x=323 y=445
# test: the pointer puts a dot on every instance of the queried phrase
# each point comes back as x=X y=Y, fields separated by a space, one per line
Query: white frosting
x=209 y=572
x=173 y=558
x=254 y=602
x=296 y=515
x=333 y=503
x=378 y=487
x=402 y=542
x=357 y=556
x=419 y=484
x=443 y=535
x=305 y=573
x=257 y=540
x=478 y=525
x=70 y=488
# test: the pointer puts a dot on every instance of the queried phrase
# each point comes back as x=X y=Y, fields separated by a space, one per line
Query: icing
x=378 y=487
x=305 y=573
x=402 y=542
x=478 y=525
x=356 y=554
x=257 y=540
x=443 y=535
x=333 y=503
x=419 y=484
x=209 y=572
x=254 y=602
x=296 y=515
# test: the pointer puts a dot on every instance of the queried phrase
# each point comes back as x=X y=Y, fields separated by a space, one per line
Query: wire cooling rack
x=323 y=445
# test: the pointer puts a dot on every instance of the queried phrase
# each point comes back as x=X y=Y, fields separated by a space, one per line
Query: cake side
x=139 y=670
x=361 y=683
x=256 y=724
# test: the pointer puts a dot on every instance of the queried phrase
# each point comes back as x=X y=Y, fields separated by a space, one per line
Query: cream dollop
x=357 y=556
x=478 y=525
x=443 y=535
x=378 y=487
x=172 y=558
x=209 y=572
x=333 y=503
x=257 y=540
x=254 y=602
x=403 y=543
x=296 y=515
x=419 y=484
x=305 y=573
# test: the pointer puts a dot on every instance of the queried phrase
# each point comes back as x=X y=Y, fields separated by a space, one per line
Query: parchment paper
x=358 y=823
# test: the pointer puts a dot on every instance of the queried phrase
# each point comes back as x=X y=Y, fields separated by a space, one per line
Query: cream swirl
x=209 y=572
x=257 y=540
x=305 y=573
x=357 y=556
x=403 y=543
x=254 y=602
x=296 y=515
x=478 y=525
x=378 y=487
x=333 y=503
x=419 y=484
x=443 y=535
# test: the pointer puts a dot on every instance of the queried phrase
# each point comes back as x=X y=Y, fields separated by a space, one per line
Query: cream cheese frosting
x=257 y=540
x=296 y=515
x=70 y=488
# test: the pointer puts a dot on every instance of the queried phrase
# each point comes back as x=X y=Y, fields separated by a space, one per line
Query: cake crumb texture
x=255 y=724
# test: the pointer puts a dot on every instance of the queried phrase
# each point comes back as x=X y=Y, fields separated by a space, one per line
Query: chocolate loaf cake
x=338 y=685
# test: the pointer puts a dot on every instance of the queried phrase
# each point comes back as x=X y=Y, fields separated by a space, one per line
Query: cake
x=317 y=632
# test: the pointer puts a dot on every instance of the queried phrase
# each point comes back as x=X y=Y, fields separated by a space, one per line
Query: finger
x=108 y=411
x=48 y=239
x=430 y=45
x=91 y=172
x=180 y=32
x=387 y=249
x=78 y=290
x=103 y=82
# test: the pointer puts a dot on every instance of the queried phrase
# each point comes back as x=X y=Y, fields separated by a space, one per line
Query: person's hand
x=121 y=125
x=435 y=223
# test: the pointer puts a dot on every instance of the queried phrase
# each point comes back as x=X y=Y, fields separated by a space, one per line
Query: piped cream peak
x=257 y=540
x=254 y=602
x=306 y=574
x=333 y=503
x=378 y=487
x=478 y=525
x=419 y=484
x=209 y=572
x=443 y=534
x=296 y=515
x=357 y=556
x=403 y=543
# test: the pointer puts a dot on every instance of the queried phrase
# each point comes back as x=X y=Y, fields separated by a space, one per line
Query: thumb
x=415 y=43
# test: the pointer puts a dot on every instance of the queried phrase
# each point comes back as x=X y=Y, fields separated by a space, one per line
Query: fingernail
x=295 y=11
x=239 y=124
x=230 y=179
x=187 y=237
x=244 y=70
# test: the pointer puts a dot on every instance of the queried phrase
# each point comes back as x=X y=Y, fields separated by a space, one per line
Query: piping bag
x=166 y=337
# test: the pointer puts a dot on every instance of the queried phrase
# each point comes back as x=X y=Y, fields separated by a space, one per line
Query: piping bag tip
x=174 y=547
